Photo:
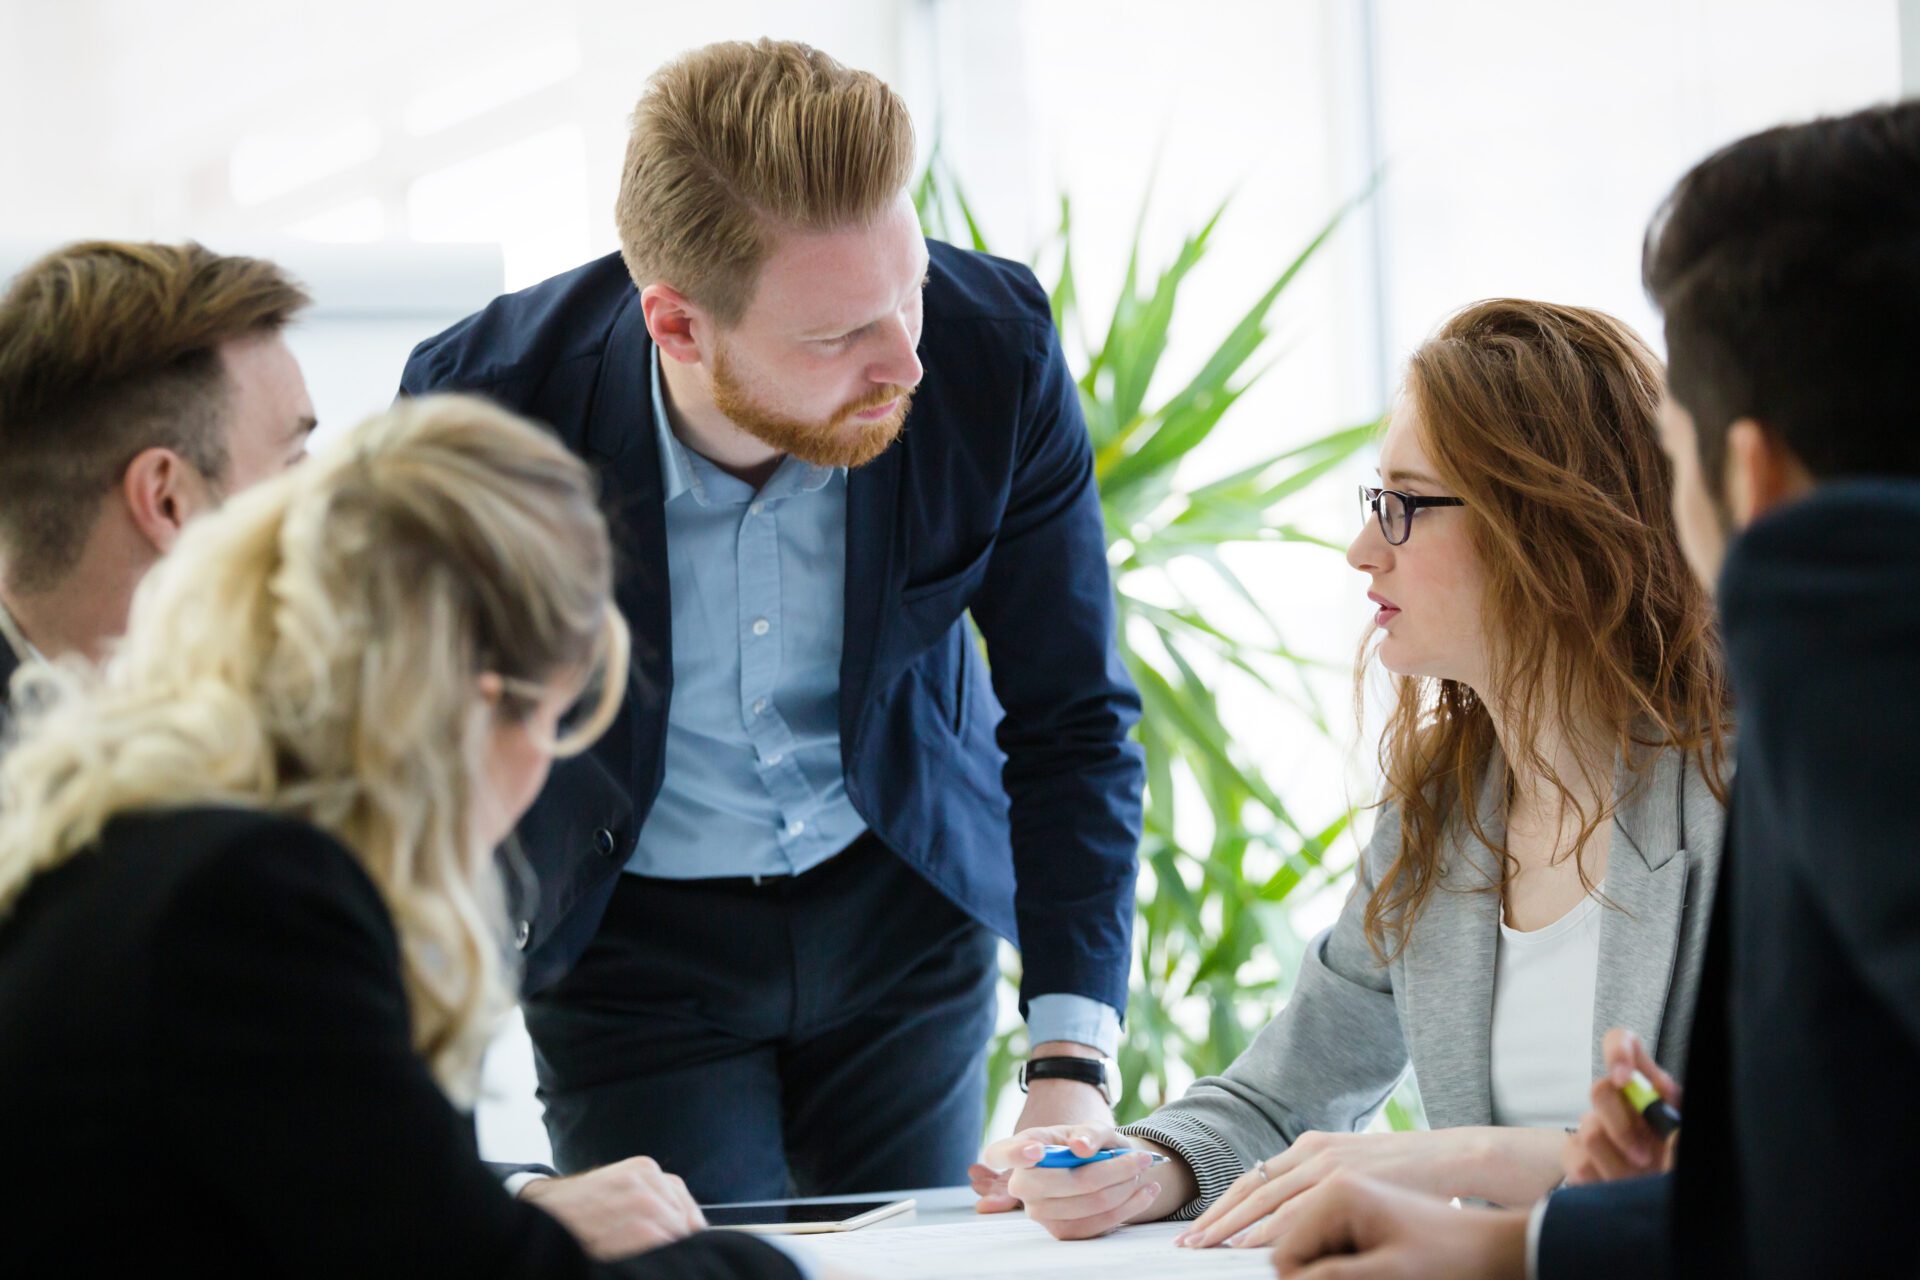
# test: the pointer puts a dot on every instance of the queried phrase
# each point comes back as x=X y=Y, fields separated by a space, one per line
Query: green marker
x=1656 y=1110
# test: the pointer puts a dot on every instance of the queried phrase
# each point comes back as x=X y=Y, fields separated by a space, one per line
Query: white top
x=1542 y=1050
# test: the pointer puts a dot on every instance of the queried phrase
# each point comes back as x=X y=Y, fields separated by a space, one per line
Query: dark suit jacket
x=1796 y=1157
x=9 y=663
x=987 y=503
x=209 y=1069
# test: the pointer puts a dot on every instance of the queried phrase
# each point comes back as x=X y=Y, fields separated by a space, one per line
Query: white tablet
x=801 y=1219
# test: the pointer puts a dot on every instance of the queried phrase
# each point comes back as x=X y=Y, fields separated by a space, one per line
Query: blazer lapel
x=873 y=500
x=621 y=443
x=1645 y=896
x=1449 y=968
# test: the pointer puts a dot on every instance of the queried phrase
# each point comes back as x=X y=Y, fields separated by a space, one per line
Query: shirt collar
x=676 y=468
x=23 y=648
x=681 y=468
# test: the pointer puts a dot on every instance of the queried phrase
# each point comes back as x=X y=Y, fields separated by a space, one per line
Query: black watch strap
x=1086 y=1070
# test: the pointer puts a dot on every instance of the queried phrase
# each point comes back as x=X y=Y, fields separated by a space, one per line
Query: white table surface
x=944 y=1239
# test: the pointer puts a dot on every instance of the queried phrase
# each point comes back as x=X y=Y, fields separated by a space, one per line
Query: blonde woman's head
x=391 y=642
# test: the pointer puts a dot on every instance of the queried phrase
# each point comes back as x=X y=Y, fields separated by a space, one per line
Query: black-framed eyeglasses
x=1394 y=510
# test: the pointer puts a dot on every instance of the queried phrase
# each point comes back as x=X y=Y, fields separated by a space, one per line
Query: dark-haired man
x=1787 y=267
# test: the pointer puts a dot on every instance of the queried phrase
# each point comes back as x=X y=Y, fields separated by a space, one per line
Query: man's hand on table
x=1050 y=1104
x=1093 y=1199
x=621 y=1209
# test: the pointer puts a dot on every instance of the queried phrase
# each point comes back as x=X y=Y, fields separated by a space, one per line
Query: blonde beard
x=840 y=441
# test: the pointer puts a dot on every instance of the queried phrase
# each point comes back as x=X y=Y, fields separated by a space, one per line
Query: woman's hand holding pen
x=1614 y=1140
x=1076 y=1204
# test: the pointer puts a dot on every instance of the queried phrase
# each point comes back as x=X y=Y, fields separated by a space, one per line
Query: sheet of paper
x=1012 y=1248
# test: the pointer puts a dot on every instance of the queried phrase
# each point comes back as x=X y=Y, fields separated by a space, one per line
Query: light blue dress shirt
x=754 y=784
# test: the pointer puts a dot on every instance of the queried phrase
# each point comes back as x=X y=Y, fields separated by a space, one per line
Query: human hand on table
x=1050 y=1103
x=1510 y=1166
x=1355 y=1228
x=1614 y=1140
x=621 y=1209
x=1076 y=1204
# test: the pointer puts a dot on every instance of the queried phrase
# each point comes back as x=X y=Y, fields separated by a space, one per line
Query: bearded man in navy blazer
x=761 y=934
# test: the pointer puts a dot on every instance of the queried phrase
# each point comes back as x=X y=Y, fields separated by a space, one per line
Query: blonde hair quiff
x=734 y=141
x=1543 y=417
x=314 y=649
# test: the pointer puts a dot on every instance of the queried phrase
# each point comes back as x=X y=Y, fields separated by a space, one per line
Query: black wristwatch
x=1102 y=1073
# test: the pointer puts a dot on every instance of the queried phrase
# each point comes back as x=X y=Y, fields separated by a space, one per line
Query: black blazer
x=985 y=505
x=1796 y=1158
x=9 y=663
x=207 y=1066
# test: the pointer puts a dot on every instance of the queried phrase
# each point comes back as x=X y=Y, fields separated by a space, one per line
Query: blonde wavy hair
x=314 y=649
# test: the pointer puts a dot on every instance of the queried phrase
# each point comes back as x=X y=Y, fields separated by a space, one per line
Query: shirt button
x=523 y=935
x=776 y=758
x=795 y=827
x=756 y=508
x=761 y=626
x=759 y=705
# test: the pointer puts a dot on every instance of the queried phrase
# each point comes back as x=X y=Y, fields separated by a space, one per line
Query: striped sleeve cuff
x=1214 y=1164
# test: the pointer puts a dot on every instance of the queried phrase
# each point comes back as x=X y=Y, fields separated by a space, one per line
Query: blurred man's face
x=269 y=413
x=1705 y=524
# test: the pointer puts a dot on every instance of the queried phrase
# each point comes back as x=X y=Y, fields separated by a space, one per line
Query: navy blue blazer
x=1028 y=819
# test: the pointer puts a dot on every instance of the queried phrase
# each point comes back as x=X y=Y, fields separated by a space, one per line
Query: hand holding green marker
x=1659 y=1114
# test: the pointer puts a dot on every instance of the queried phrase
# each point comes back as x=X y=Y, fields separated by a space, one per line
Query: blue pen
x=1063 y=1157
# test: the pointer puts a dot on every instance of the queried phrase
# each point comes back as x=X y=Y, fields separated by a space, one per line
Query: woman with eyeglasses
x=1543 y=857
x=252 y=937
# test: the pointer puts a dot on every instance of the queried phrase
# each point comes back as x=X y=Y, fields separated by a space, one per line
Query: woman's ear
x=492 y=687
x=1762 y=472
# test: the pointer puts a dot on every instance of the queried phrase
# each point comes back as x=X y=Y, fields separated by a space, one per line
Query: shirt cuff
x=1081 y=1019
x=515 y=1183
x=1535 y=1221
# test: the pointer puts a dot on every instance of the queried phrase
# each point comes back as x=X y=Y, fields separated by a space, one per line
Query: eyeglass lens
x=1390 y=510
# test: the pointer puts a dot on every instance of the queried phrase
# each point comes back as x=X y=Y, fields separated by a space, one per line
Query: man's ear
x=1762 y=472
x=676 y=323
x=162 y=491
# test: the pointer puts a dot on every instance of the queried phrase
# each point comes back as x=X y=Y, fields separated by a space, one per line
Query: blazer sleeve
x=1608 y=1229
x=1073 y=778
x=287 y=1083
x=1327 y=1061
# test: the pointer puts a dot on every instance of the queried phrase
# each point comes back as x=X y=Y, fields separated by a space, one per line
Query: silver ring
x=1264 y=1175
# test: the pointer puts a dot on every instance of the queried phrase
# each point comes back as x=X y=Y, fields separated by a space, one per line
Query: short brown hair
x=1543 y=417
x=109 y=348
x=735 y=139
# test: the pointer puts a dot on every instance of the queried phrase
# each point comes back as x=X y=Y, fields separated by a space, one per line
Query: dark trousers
x=809 y=1035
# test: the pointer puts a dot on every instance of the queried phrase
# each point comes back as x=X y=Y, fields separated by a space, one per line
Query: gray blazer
x=1334 y=1054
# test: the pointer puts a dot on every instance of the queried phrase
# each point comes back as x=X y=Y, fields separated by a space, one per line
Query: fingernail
x=1621 y=1073
x=1238 y=1238
x=1033 y=1149
x=1153 y=1189
x=1181 y=1239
